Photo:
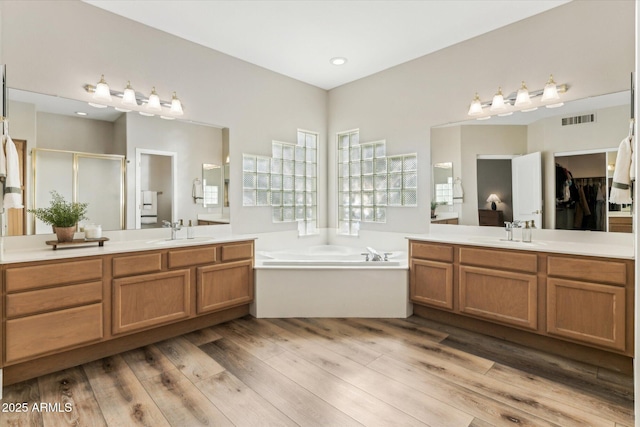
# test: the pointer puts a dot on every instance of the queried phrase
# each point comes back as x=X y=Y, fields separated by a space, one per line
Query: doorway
x=156 y=181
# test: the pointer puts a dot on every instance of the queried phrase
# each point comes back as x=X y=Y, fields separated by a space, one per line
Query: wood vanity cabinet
x=69 y=311
x=526 y=294
x=51 y=307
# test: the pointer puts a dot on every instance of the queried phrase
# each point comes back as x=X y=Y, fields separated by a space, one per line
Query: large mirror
x=580 y=132
x=140 y=170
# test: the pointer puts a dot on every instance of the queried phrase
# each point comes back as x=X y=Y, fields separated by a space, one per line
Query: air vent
x=578 y=120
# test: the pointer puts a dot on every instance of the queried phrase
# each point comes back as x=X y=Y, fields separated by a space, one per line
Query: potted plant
x=62 y=215
x=434 y=205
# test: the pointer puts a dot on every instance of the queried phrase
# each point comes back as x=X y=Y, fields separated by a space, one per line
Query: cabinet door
x=587 y=312
x=149 y=300
x=501 y=296
x=432 y=283
x=224 y=285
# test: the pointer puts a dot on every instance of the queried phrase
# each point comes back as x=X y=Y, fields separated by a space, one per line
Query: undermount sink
x=183 y=241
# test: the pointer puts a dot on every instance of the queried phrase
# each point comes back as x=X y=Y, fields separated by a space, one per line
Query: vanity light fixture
x=522 y=100
x=133 y=101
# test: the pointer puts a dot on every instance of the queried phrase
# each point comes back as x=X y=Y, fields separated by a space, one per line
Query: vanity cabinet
x=51 y=307
x=535 y=298
x=587 y=301
x=69 y=311
x=621 y=224
x=431 y=270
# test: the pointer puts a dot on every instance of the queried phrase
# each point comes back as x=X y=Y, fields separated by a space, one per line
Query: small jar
x=92 y=231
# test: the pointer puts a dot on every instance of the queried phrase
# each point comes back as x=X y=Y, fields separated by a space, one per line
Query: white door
x=526 y=187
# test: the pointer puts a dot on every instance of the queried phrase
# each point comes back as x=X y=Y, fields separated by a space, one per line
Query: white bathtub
x=330 y=281
x=331 y=256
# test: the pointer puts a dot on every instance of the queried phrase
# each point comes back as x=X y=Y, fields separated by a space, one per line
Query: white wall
x=58 y=46
x=401 y=104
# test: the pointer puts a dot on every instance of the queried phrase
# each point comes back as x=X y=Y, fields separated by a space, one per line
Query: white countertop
x=129 y=241
x=600 y=244
x=620 y=214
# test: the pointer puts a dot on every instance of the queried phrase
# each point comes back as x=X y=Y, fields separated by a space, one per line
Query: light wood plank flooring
x=326 y=372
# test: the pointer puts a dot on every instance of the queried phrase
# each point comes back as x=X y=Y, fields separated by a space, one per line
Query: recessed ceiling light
x=338 y=60
x=81 y=113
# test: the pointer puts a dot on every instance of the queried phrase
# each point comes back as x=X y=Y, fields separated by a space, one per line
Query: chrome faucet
x=175 y=227
x=375 y=256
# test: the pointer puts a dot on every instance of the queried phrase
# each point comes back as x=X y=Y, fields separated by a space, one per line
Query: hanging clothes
x=12 y=189
x=621 y=186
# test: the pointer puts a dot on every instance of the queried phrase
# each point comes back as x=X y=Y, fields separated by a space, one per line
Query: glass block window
x=369 y=182
x=286 y=181
x=444 y=192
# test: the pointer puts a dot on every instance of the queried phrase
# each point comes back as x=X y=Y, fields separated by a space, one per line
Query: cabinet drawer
x=501 y=296
x=43 y=333
x=187 y=257
x=137 y=264
x=433 y=251
x=238 y=251
x=508 y=260
x=39 y=276
x=150 y=299
x=432 y=283
x=25 y=303
x=590 y=270
x=587 y=312
x=224 y=285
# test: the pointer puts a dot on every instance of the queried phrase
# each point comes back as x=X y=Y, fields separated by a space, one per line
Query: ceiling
x=298 y=38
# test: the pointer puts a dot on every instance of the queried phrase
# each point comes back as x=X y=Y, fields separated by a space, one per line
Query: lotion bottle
x=526 y=233
x=190 y=231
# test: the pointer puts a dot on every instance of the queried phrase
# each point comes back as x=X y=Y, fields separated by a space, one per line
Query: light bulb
x=102 y=92
x=498 y=102
x=550 y=92
x=476 y=106
x=176 y=106
x=129 y=96
x=154 y=101
x=522 y=98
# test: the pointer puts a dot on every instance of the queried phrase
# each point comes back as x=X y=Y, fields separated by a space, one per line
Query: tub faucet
x=375 y=256
x=175 y=227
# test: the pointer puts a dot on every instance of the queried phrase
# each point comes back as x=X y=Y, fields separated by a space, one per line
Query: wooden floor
x=325 y=372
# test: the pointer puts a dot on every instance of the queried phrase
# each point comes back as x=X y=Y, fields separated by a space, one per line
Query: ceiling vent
x=578 y=120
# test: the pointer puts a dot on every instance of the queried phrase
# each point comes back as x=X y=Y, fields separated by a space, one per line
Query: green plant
x=434 y=205
x=61 y=213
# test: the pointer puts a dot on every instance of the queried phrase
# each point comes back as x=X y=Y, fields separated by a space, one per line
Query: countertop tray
x=76 y=242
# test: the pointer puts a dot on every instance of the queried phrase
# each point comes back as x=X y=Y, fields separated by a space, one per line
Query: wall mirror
x=443 y=183
x=580 y=127
x=53 y=131
x=212 y=186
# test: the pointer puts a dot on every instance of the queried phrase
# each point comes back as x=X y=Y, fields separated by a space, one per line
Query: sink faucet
x=175 y=226
x=375 y=256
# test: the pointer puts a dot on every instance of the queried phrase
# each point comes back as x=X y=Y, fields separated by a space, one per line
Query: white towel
x=12 y=187
x=149 y=211
x=458 y=192
x=621 y=186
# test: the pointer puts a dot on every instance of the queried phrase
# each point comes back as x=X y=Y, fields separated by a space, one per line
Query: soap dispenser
x=526 y=233
x=190 y=230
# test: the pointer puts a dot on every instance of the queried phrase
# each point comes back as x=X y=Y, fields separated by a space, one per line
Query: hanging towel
x=196 y=191
x=12 y=188
x=458 y=192
x=621 y=186
x=149 y=211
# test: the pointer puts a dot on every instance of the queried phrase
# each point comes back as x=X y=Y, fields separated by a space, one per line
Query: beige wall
x=588 y=44
x=55 y=47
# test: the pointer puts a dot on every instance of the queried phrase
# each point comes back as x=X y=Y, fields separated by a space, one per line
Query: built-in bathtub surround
x=326 y=275
x=287 y=182
x=369 y=182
